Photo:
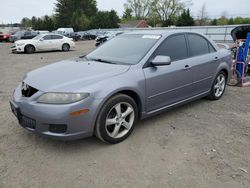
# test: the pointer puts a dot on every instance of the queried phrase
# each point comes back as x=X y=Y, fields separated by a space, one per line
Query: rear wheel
x=218 y=87
x=65 y=47
x=117 y=119
x=29 y=49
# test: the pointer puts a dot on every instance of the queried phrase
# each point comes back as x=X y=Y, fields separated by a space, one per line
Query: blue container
x=240 y=66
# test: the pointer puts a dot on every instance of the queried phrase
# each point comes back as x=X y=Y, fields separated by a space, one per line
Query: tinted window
x=56 y=37
x=198 y=45
x=47 y=37
x=175 y=47
x=211 y=48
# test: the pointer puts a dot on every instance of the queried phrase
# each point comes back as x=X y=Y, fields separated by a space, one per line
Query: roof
x=159 y=32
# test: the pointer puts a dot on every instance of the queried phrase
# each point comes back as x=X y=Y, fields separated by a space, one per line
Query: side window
x=211 y=48
x=198 y=45
x=56 y=37
x=47 y=37
x=175 y=47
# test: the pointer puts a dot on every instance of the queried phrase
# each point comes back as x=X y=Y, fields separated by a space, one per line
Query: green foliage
x=222 y=21
x=105 y=19
x=44 y=23
x=225 y=21
x=66 y=9
x=79 y=14
x=185 y=19
x=26 y=22
x=80 y=21
x=127 y=14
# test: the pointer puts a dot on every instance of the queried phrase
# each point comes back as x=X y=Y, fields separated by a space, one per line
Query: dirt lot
x=203 y=144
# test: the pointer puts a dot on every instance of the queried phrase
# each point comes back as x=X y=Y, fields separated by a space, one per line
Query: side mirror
x=161 y=61
x=42 y=39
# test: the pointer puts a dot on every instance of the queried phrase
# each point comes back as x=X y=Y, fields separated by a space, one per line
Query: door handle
x=187 y=67
x=215 y=59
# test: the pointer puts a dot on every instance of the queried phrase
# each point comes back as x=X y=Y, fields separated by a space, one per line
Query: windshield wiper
x=103 y=61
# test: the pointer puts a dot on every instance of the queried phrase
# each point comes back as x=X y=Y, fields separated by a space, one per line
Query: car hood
x=71 y=75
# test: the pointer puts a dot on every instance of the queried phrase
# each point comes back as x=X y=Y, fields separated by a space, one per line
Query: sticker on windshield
x=155 y=37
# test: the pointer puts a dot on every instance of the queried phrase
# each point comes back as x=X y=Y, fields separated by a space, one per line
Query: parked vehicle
x=65 y=31
x=23 y=35
x=75 y=36
x=107 y=36
x=4 y=37
x=86 y=35
x=130 y=77
x=44 y=42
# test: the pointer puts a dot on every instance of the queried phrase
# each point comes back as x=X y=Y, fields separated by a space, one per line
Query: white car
x=44 y=42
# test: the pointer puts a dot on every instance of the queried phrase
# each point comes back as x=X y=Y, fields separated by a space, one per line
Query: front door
x=166 y=85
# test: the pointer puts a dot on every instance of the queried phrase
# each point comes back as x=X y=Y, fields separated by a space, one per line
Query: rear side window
x=198 y=45
x=175 y=47
x=47 y=37
x=56 y=37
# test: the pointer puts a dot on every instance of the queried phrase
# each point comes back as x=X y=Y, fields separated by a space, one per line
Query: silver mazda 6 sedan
x=131 y=77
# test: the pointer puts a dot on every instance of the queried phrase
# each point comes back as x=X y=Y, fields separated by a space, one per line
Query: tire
x=29 y=49
x=219 y=86
x=65 y=47
x=116 y=119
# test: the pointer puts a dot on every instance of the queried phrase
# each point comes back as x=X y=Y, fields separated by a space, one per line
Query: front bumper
x=17 y=49
x=54 y=121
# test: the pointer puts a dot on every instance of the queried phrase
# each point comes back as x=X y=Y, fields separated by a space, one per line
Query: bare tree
x=140 y=8
x=203 y=16
x=166 y=9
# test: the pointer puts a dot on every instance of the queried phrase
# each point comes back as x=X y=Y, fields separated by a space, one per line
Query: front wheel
x=219 y=86
x=116 y=119
x=65 y=47
x=29 y=49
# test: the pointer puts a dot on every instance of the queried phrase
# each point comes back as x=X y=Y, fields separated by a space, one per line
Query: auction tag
x=155 y=37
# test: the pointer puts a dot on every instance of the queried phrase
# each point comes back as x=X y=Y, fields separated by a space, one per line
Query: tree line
x=84 y=15
x=79 y=14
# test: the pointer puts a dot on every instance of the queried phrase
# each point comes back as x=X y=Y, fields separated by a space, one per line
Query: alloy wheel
x=120 y=120
x=220 y=85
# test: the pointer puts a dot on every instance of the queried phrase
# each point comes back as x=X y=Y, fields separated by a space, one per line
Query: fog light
x=59 y=129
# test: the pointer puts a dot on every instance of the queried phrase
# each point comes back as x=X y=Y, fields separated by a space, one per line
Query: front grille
x=28 y=122
x=28 y=91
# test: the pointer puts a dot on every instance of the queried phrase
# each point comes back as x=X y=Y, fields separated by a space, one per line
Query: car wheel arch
x=129 y=92
x=29 y=45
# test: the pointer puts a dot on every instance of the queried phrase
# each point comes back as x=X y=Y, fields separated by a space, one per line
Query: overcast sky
x=12 y=11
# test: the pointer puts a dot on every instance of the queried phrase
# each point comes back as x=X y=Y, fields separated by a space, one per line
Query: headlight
x=20 y=44
x=61 y=98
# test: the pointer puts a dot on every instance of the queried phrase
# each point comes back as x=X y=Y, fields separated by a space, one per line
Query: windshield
x=38 y=37
x=125 y=49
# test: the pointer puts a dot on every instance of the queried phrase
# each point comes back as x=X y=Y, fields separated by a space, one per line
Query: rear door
x=57 y=42
x=166 y=85
x=205 y=60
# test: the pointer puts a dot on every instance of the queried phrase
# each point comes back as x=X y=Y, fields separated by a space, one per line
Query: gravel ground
x=202 y=144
